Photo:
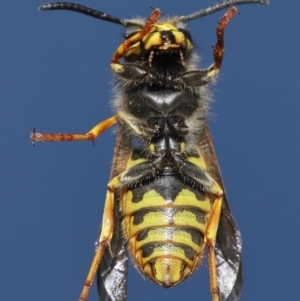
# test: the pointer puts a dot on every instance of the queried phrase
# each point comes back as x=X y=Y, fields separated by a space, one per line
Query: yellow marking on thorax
x=131 y=163
x=197 y=161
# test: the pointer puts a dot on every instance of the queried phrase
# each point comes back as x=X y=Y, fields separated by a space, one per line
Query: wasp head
x=164 y=42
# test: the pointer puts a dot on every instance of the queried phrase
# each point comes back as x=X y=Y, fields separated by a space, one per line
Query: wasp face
x=165 y=41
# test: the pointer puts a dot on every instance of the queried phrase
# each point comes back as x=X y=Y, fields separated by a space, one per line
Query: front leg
x=196 y=77
x=131 y=72
x=142 y=170
x=206 y=76
x=138 y=73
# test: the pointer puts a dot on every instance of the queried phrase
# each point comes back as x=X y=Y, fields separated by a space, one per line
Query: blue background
x=55 y=76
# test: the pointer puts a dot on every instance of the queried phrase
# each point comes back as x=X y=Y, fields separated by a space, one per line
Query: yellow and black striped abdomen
x=164 y=223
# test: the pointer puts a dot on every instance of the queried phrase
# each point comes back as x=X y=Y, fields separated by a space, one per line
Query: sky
x=55 y=77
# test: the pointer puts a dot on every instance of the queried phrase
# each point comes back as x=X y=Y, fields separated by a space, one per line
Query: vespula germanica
x=165 y=201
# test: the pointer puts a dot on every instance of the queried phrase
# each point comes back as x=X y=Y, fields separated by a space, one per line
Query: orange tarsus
x=91 y=135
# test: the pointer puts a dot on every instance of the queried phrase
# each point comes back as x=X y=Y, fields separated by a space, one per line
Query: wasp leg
x=124 y=47
x=210 y=239
x=134 y=72
x=137 y=174
x=138 y=73
x=105 y=236
x=144 y=171
x=219 y=46
x=196 y=176
x=203 y=77
x=90 y=135
x=196 y=77
x=130 y=71
x=130 y=177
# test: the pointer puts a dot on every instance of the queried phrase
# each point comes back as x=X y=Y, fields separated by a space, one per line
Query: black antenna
x=88 y=11
x=126 y=22
x=218 y=6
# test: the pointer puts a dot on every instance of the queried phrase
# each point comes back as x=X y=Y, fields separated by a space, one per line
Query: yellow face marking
x=134 y=49
x=154 y=39
x=151 y=40
x=164 y=27
x=180 y=38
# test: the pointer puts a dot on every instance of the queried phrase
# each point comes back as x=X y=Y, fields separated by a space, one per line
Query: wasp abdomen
x=164 y=223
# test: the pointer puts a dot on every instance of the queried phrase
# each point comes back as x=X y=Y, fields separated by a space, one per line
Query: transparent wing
x=112 y=271
x=228 y=244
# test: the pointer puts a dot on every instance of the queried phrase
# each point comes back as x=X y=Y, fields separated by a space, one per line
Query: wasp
x=165 y=202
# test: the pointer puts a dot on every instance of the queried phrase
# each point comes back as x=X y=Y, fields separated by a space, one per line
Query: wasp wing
x=112 y=271
x=228 y=243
